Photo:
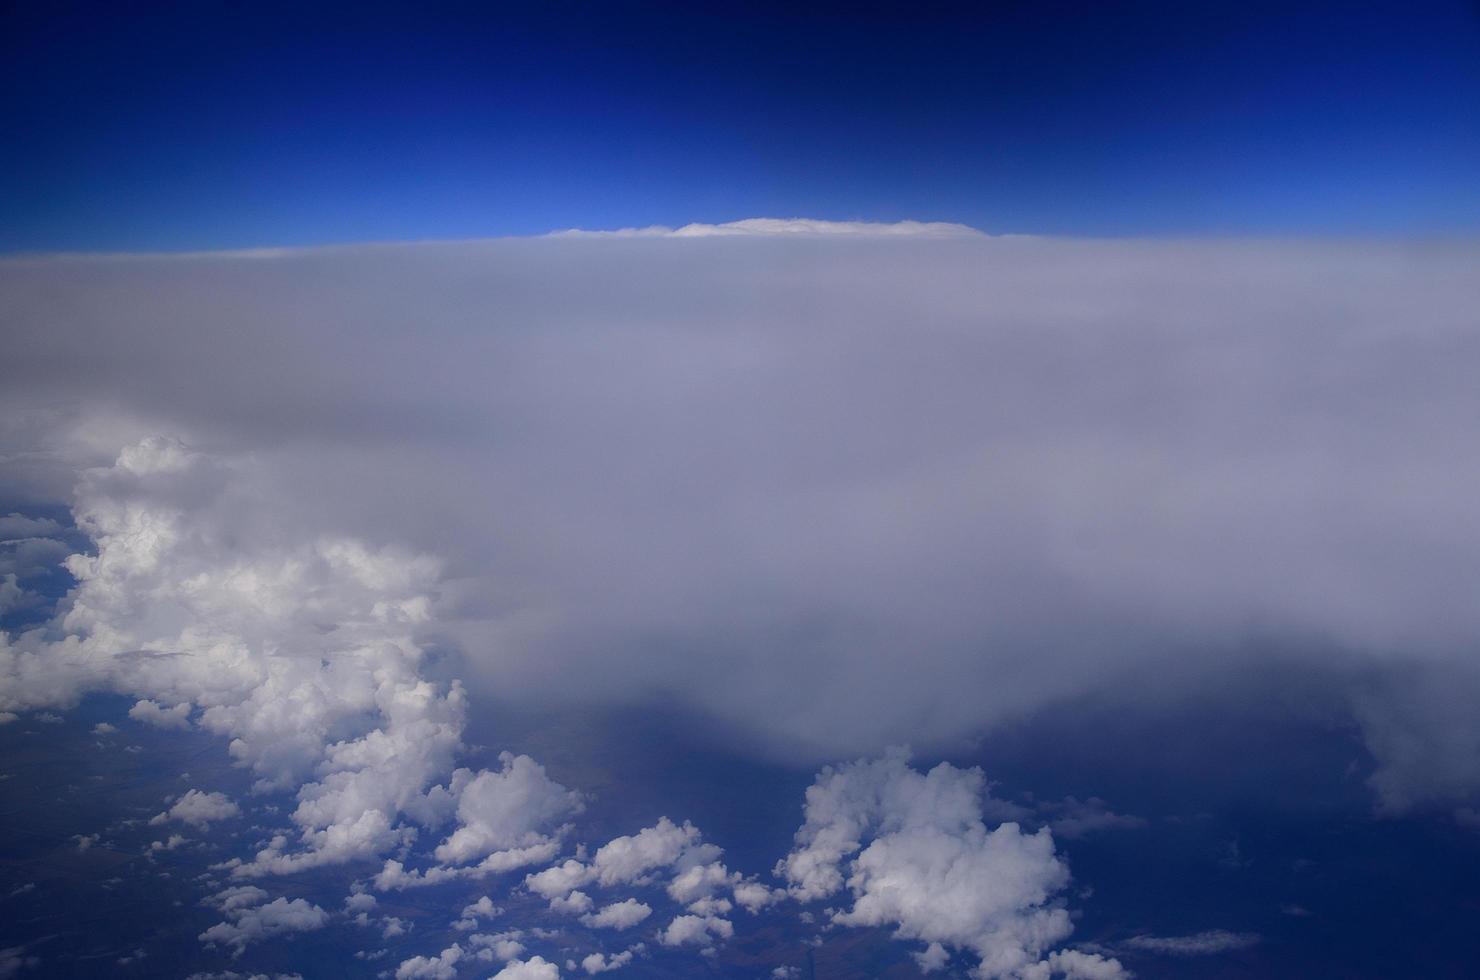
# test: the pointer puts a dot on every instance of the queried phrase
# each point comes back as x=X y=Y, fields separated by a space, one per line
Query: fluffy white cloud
x=247 y=924
x=505 y=810
x=914 y=853
x=696 y=930
x=199 y=809
x=153 y=713
x=601 y=963
x=576 y=903
x=534 y=968
x=504 y=945
x=443 y=966
x=618 y=915
x=302 y=653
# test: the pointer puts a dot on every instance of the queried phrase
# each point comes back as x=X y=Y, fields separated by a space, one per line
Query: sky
x=196 y=126
x=532 y=491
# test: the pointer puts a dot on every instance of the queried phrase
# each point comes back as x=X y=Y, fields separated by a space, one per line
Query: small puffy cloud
x=85 y=841
x=103 y=728
x=576 y=903
x=199 y=809
x=562 y=879
x=600 y=963
x=238 y=897
x=471 y=913
x=913 y=851
x=153 y=713
x=503 y=946
x=618 y=915
x=696 y=930
x=174 y=841
x=932 y=958
x=1208 y=943
x=360 y=902
x=443 y=966
x=753 y=896
x=534 y=968
x=280 y=917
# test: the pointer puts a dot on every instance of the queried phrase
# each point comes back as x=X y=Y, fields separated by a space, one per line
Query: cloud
x=696 y=930
x=199 y=809
x=810 y=227
x=534 y=968
x=280 y=917
x=601 y=963
x=1208 y=943
x=1001 y=473
x=618 y=915
x=1072 y=818
x=501 y=811
x=153 y=713
x=443 y=966
x=912 y=850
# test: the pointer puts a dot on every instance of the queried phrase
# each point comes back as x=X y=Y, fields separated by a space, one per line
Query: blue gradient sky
x=182 y=126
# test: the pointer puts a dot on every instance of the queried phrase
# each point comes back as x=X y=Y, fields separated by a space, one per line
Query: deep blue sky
x=193 y=125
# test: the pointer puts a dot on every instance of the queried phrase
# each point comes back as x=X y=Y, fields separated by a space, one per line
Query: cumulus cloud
x=199 y=809
x=506 y=810
x=618 y=915
x=503 y=946
x=696 y=930
x=601 y=963
x=153 y=713
x=998 y=472
x=443 y=966
x=912 y=850
x=247 y=924
x=534 y=968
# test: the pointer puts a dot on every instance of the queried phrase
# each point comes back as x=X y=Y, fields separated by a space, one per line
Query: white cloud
x=503 y=946
x=914 y=853
x=618 y=915
x=927 y=453
x=696 y=930
x=443 y=966
x=600 y=963
x=199 y=809
x=508 y=809
x=281 y=916
x=483 y=908
x=800 y=227
x=534 y=968
x=153 y=713
x=576 y=903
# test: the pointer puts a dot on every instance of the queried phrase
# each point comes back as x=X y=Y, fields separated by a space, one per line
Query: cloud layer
x=839 y=489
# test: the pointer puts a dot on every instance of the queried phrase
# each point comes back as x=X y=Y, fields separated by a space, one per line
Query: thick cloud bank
x=841 y=489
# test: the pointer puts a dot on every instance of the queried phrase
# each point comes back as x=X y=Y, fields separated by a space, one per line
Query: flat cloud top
x=786 y=226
